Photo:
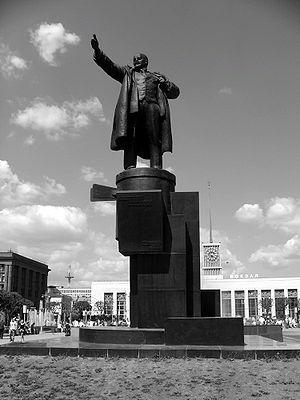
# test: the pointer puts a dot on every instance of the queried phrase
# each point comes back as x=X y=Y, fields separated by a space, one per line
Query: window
x=226 y=304
x=121 y=305
x=24 y=273
x=108 y=303
x=266 y=302
x=2 y=275
x=293 y=302
x=253 y=303
x=279 y=303
x=239 y=297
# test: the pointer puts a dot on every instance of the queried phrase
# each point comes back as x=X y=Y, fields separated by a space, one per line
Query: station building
x=246 y=295
x=236 y=295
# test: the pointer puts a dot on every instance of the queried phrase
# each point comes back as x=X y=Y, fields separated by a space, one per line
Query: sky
x=236 y=124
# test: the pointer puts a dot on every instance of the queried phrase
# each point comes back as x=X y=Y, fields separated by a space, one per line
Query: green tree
x=266 y=305
x=99 y=306
x=12 y=303
x=66 y=305
x=79 y=307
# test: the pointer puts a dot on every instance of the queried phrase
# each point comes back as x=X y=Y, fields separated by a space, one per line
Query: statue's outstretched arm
x=114 y=70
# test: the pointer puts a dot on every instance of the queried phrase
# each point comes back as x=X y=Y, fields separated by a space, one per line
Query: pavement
x=57 y=344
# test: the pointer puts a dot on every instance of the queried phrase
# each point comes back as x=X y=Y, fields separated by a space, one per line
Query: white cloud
x=284 y=213
x=281 y=213
x=11 y=65
x=59 y=236
x=29 y=141
x=225 y=90
x=14 y=191
x=54 y=235
x=89 y=174
x=105 y=208
x=36 y=224
x=279 y=255
x=249 y=213
x=56 y=121
x=50 y=39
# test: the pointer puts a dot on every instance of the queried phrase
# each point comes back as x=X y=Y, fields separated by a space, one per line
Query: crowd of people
x=105 y=320
x=20 y=327
x=287 y=322
x=17 y=327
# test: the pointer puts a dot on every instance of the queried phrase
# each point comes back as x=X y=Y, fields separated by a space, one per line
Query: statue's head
x=140 y=61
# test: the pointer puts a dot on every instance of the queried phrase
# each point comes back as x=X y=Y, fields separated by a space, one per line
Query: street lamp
x=24 y=312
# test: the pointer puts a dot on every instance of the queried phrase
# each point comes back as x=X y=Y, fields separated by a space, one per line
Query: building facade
x=238 y=295
x=23 y=275
x=248 y=296
x=114 y=296
x=77 y=294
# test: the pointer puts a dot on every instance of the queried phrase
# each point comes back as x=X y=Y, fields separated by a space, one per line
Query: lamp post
x=24 y=312
x=84 y=313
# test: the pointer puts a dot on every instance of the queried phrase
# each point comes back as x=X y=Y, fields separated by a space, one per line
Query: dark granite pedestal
x=178 y=332
x=121 y=335
x=205 y=331
x=159 y=229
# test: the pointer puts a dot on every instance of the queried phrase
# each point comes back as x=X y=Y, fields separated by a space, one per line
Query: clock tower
x=211 y=251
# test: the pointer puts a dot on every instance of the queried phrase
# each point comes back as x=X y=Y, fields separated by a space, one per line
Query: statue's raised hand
x=94 y=42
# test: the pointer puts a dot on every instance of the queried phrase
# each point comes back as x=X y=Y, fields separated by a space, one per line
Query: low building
x=238 y=295
x=243 y=295
x=23 y=275
x=247 y=295
x=77 y=294
x=114 y=296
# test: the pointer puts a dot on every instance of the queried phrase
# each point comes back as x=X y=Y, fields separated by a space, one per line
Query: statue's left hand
x=161 y=78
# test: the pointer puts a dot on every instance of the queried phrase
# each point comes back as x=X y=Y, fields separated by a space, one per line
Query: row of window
x=266 y=303
x=121 y=304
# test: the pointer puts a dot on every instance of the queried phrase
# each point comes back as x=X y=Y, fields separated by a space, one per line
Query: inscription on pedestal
x=140 y=222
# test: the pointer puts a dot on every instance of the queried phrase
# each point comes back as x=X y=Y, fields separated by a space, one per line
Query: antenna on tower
x=69 y=276
x=209 y=210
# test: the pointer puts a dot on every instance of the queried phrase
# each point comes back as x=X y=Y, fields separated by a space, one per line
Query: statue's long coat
x=128 y=105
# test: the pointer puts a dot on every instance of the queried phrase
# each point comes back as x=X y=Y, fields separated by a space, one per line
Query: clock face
x=212 y=254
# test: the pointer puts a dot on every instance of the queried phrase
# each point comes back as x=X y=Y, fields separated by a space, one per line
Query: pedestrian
x=32 y=328
x=13 y=329
x=22 y=330
x=67 y=329
x=1 y=328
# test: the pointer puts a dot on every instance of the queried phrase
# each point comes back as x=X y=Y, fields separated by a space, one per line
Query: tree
x=266 y=305
x=79 y=307
x=12 y=303
x=66 y=305
x=99 y=306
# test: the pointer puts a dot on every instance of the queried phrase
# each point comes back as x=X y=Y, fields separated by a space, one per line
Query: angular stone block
x=204 y=331
x=121 y=335
x=140 y=222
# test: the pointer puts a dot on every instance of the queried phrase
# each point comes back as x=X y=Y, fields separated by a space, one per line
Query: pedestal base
x=121 y=335
x=205 y=331
x=178 y=332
